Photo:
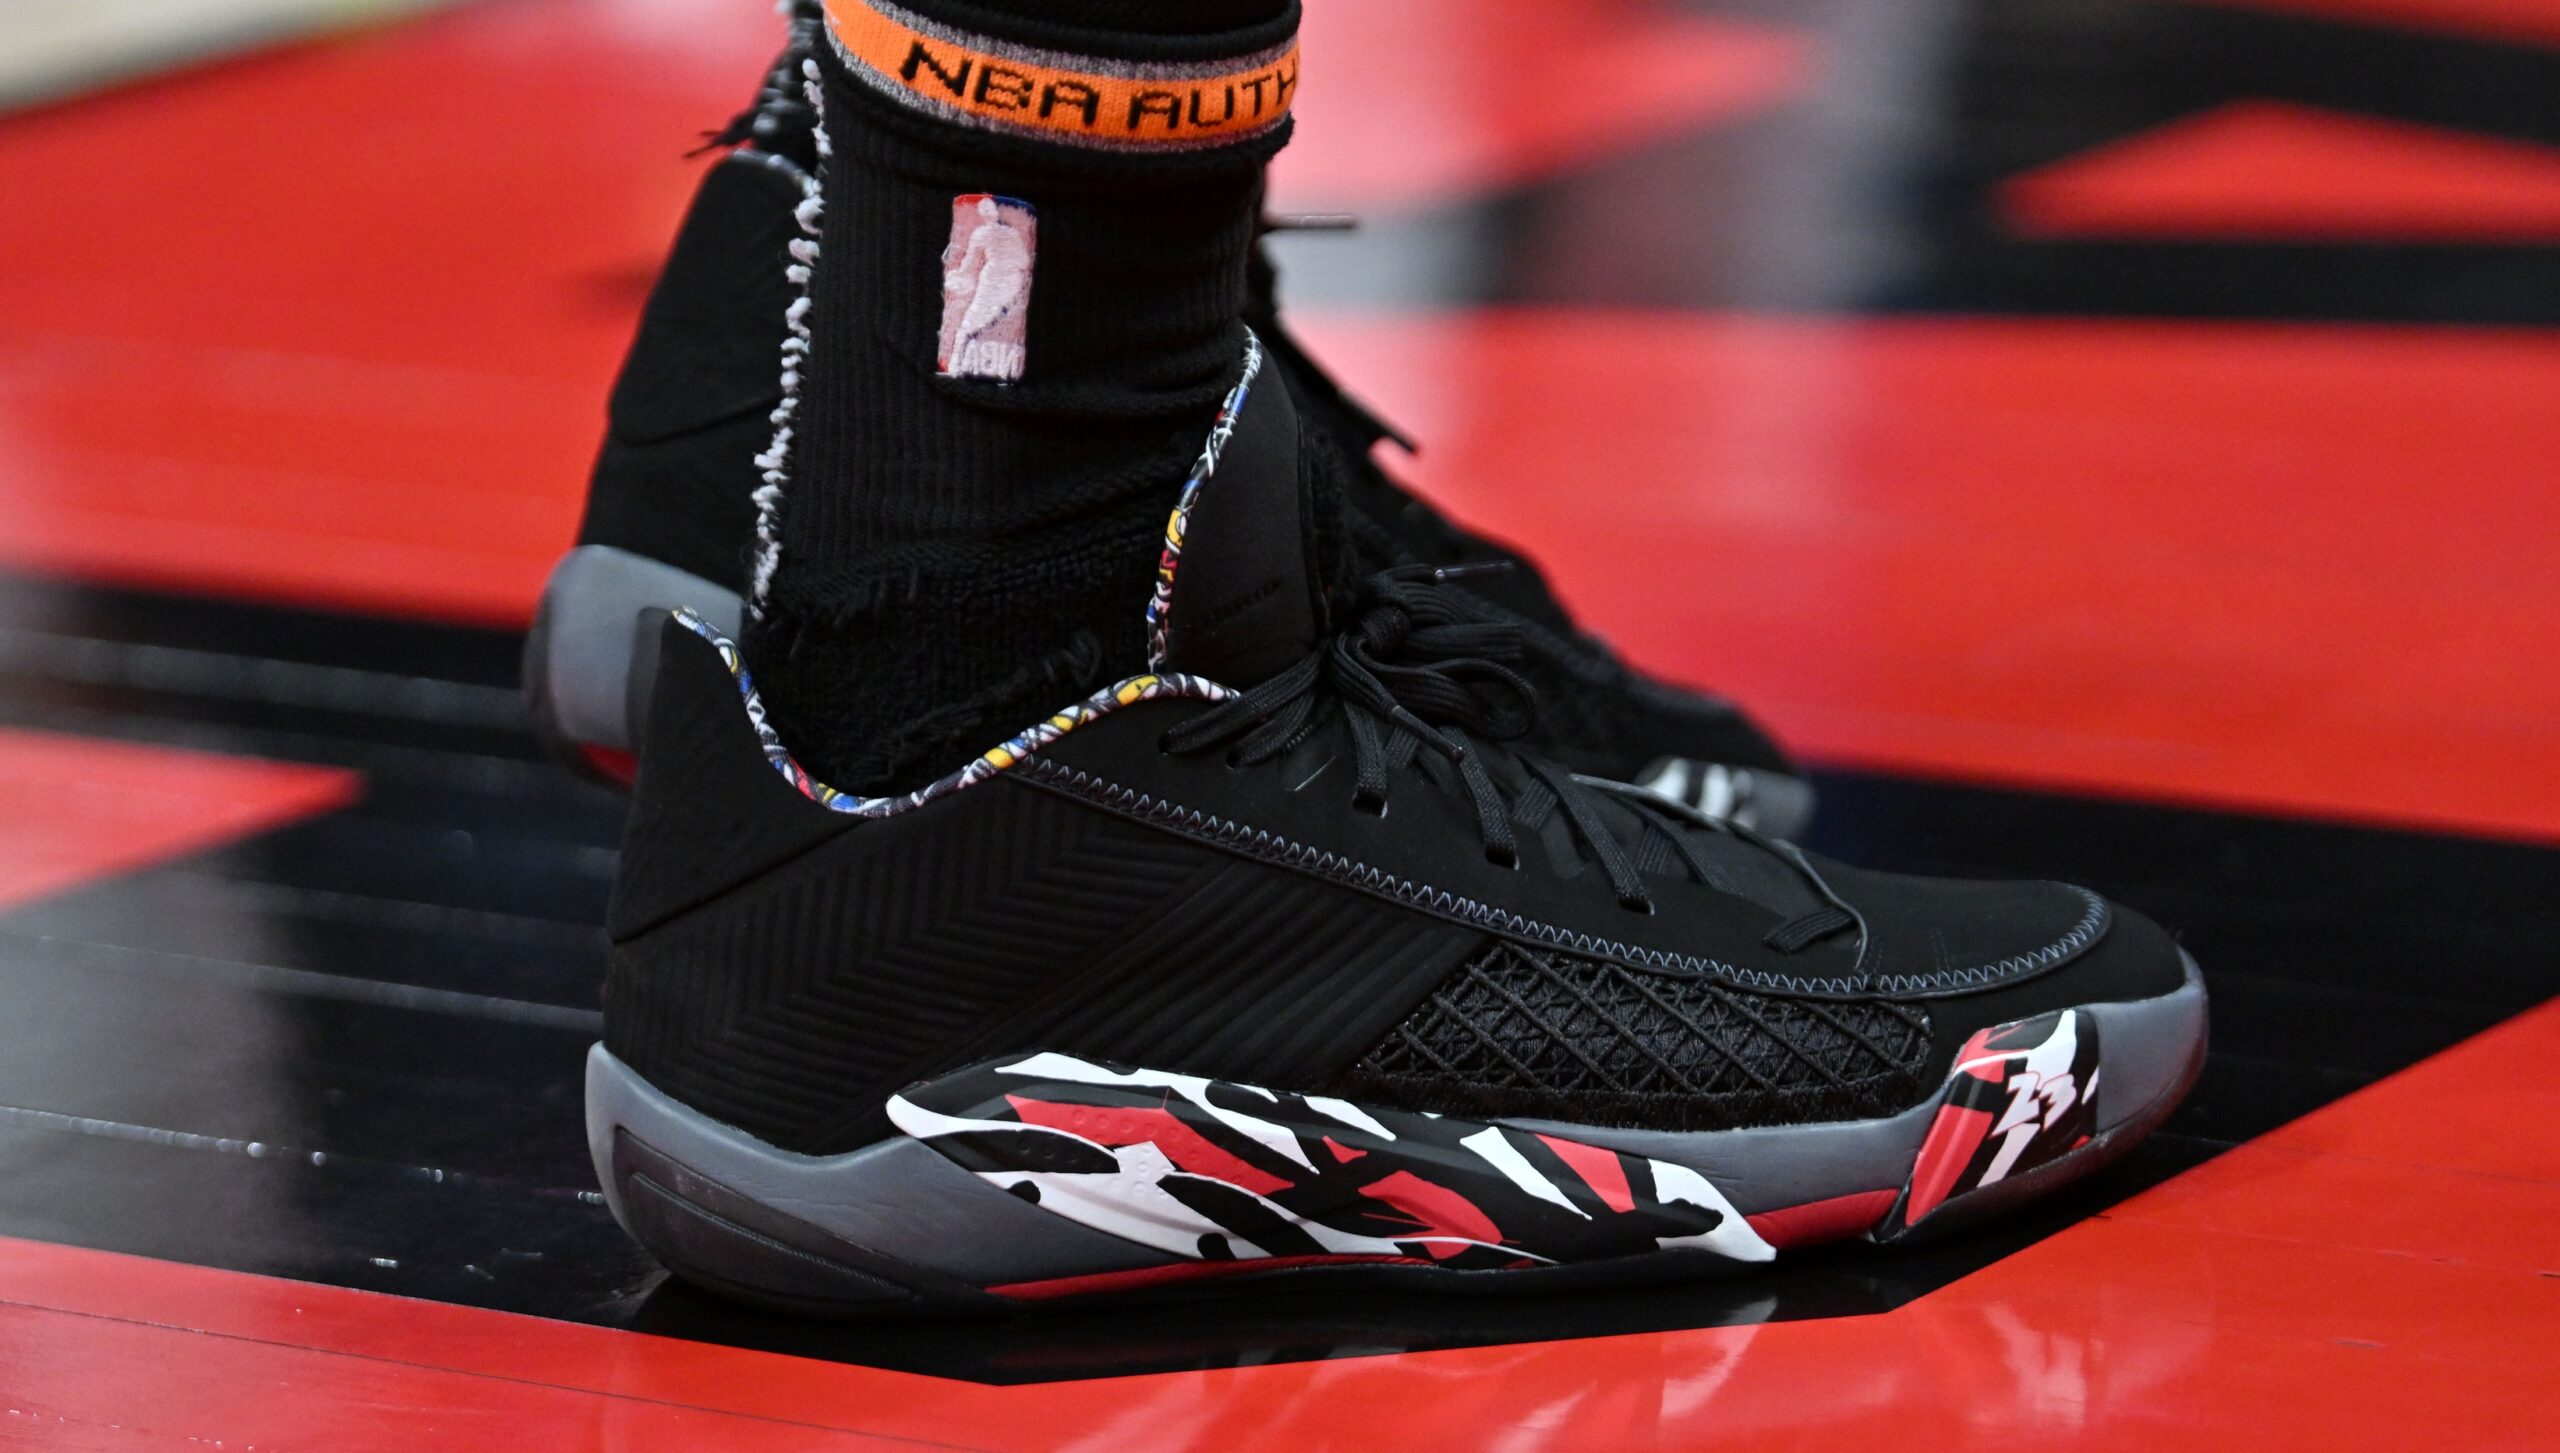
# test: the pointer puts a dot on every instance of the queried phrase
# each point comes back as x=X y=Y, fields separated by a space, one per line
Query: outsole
x=914 y=1233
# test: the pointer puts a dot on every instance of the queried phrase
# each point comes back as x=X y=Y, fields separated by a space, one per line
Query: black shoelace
x=780 y=104
x=1446 y=543
x=1418 y=670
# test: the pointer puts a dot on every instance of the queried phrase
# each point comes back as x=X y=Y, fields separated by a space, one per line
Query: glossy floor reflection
x=2280 y=1293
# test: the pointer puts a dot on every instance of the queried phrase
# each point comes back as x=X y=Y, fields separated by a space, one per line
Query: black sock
x=966 y=529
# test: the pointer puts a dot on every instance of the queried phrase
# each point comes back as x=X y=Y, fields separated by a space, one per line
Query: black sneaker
x=1311 y=979
x=669 y=515
x=1598 y=715
x=671 y=508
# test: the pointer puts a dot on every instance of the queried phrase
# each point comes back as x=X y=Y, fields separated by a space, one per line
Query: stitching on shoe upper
x=1271 y=847
x=2093 y=921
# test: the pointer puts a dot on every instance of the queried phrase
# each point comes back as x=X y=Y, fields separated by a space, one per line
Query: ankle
x=1017 y=335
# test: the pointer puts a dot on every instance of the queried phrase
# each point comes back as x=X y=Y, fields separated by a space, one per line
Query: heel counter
x=707 y=811
x=707 y=814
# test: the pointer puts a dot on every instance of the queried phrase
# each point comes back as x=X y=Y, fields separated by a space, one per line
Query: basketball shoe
x=1281 y=961
x=669 y=517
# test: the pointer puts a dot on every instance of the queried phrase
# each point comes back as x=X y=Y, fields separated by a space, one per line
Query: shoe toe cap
x=1989 y=953
x=2135 y=958
x=1939 y=936
x=2144 y=992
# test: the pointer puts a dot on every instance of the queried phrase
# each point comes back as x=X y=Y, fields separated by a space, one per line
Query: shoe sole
x=590 y=660
x=1040 y=1178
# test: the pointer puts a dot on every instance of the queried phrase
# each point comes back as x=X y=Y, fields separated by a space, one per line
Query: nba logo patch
x=986 y=287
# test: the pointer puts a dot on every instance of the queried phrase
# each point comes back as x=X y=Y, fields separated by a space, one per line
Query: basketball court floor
x=2115 y=440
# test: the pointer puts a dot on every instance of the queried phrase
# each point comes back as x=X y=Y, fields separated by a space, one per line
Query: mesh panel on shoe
x=1529 y=1032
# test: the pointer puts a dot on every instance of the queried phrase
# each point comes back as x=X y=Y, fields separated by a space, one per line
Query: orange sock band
x=996 y=85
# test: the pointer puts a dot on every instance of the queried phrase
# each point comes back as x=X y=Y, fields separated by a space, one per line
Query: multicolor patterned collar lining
x=995 y=759
x=1160 y=606
x=1153 y=686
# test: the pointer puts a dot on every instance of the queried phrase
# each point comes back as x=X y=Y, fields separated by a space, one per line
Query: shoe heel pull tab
x=707 y=811
x=1240 y=597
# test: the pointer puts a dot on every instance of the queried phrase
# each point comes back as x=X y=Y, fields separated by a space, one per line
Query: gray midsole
x=592 y=608
x=898 y=1198
x=901 y=1199
x=2144 y=1048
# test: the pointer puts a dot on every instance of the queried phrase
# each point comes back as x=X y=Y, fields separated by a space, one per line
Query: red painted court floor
x=2379 y=1272
x=2151 y=410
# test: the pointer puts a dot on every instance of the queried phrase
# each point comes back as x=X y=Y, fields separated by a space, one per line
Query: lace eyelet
x=1164 y=745
x=1637 y=905
x=1509 y=859
x=1369 y=806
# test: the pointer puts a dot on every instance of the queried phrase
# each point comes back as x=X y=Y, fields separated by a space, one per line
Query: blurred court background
x=2120 y=394
x=2112 y=439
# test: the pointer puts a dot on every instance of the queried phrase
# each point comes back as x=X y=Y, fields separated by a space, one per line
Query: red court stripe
x=2487 y=1110
x=78 y=1381
x=383 y=389
x=2269 y=566
x=2351 y=1203
x=2174 y=1322
x=2263 y=169
x=1485 y=94
x=76 y=809
x=264 y=363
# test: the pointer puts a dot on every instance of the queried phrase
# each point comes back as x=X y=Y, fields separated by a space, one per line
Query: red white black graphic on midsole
x=1212 y=1171
x=2020 y=1096
x=1223 y=1172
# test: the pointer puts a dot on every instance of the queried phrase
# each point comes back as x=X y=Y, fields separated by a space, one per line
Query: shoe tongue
x=1237 y=600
